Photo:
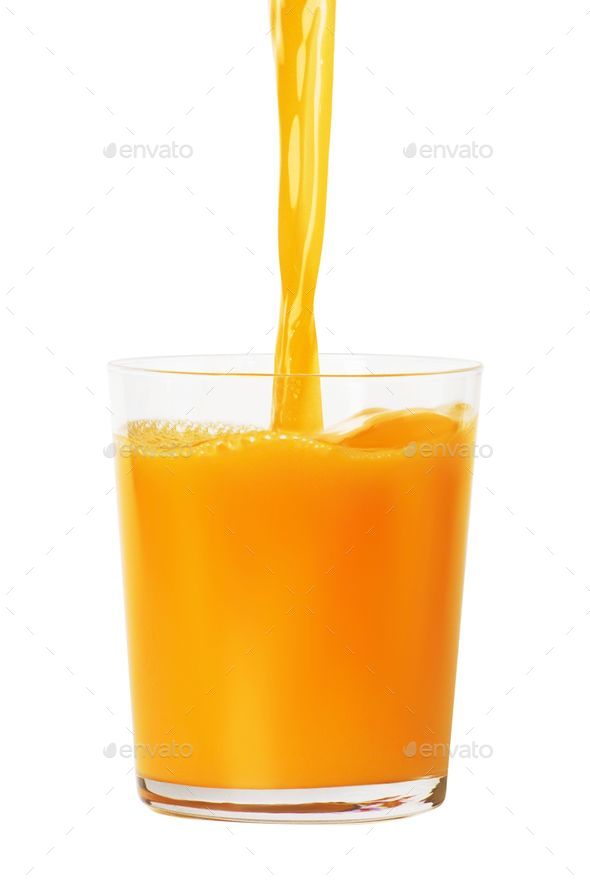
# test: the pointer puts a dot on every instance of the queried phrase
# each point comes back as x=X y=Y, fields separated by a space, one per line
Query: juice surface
x=293 y=600
x=303 y=37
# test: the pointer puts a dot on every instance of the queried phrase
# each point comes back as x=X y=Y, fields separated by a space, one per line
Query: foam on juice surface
x=370 y=430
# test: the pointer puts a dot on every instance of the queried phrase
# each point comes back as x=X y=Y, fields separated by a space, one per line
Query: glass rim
x=154 y=365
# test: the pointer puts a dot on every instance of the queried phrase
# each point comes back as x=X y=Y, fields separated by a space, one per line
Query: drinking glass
x=292 y=599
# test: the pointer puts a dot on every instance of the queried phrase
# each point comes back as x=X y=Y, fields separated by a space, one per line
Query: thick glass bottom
x=373 y=802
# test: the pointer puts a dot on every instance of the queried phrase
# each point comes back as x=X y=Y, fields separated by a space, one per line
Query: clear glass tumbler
x=293 y=600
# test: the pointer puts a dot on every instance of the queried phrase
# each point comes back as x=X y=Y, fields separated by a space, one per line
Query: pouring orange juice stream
x=283 y=621
x=303 y=35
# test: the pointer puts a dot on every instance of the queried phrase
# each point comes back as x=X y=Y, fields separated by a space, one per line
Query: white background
x=484 y=258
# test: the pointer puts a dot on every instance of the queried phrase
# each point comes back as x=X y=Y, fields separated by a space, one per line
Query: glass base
x=373 y=802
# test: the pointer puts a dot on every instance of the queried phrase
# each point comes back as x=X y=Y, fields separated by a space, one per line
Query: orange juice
x=293 y=602
x=293 y=587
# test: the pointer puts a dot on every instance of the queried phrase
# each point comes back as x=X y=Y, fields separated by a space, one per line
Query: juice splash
x=303 y=36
